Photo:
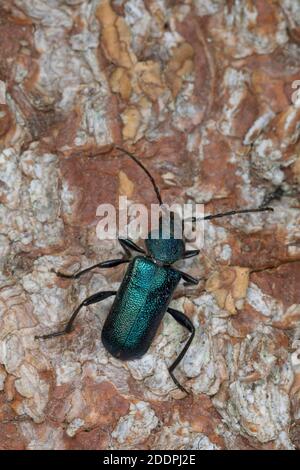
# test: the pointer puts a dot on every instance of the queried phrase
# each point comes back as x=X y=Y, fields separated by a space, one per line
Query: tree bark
x=205 y=94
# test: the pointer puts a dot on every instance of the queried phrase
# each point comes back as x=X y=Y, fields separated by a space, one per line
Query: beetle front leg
x=186 y=322
x=93 y=299
x=128 y=245
x=189 y=279
x=105 y=264
x=190 y=253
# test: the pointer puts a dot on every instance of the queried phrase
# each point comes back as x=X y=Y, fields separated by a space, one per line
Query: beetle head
x=165 y=244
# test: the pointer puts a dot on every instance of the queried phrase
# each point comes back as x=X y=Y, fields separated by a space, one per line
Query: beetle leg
x=186 y=322
x=128 y=253
x=190 y=253
x=188 y=278
x=105 y=264
x=128 y=245
x=93 y=299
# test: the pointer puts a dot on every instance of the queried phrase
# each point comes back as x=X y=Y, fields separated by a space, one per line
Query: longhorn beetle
x=146 y=290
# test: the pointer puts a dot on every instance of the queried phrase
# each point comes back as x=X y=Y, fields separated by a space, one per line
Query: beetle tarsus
x=181 y=387
x=64 y=275
x=54 y=334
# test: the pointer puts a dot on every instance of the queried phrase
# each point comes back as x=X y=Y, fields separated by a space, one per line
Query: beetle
x=146 y=290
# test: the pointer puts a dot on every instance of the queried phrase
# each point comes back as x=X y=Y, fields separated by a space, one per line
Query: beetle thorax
x=164 y=244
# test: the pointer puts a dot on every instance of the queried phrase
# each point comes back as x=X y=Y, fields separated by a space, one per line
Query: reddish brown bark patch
x=95 y=182
x=281 y=283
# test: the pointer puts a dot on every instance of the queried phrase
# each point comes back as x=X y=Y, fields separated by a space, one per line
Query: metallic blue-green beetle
x=145 y=292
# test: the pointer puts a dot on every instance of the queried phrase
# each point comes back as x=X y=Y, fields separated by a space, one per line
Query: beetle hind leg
x=185 y=322
x=93 y=299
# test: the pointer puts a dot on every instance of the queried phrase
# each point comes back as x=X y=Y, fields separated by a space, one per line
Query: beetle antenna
x=133 y=157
